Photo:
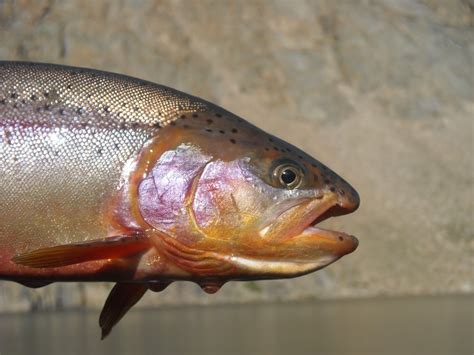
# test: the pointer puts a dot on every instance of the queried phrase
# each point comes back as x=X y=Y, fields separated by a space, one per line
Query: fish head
x=228 y=199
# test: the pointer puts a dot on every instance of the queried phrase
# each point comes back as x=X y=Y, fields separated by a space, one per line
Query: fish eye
x=288 y=175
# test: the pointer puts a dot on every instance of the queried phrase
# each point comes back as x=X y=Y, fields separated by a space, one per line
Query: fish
x=106 y=177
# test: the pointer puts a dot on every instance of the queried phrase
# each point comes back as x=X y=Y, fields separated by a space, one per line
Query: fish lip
x=334 y=210
x=325 y=200
x=306 y=231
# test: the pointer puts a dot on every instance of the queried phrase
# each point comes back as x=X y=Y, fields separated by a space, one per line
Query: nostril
x=349 y=201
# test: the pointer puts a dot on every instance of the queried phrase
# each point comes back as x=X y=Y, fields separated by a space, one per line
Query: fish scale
x=104 y=177
x=73 y=129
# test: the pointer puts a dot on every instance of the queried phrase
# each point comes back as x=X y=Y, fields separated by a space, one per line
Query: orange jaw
x=261 y=256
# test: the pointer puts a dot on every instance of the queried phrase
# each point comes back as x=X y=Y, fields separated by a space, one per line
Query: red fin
x=68 y=254
x=122 y=297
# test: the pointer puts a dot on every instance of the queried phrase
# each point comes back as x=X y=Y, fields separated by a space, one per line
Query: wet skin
x=109 y=178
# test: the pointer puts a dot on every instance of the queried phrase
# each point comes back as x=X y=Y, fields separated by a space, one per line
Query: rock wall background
x=381 y=91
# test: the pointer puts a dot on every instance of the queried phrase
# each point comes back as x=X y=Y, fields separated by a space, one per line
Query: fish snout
x=347 y=201
x=348 y=198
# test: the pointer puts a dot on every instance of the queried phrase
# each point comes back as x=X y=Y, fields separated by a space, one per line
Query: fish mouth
x=298 y=245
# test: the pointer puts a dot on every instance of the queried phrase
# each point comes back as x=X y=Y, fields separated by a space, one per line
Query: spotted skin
x=90 y=160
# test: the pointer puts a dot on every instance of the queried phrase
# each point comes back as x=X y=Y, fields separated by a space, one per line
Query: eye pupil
x=288 y=176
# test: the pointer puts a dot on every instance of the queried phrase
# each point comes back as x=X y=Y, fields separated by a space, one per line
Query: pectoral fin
x=122 y=297
x=68 y=254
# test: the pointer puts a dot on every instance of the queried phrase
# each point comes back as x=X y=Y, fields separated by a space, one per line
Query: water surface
x=428 y=325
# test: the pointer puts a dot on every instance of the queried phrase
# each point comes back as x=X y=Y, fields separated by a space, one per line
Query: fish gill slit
x=189 y=199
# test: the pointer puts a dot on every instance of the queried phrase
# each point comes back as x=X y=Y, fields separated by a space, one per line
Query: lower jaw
x=275 y=269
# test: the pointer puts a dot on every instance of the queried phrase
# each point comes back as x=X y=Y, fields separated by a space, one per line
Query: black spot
x=208 y=130
x=99 y=152
x=116 y=146
x=106 y=108
x=135 y=125
x=2 y=101
x=182 y=117
x=267 y=149
x=15 y=105
x=195 y=115
x=270 y=139
x=46 y=94
x=234 y=130
x=34 y=97
x=209 y=121
x=13 y=95
x=23 y=101
x=222 y=132
x=332 y=188
x=232 y=141
x=156 y=125
x=341 y=238
x=69 y=87
x=7 y=137
x=275 y=148
x=288 y=150
x=218 y=115
x=299 y=156
x=47 y=107
x=80 y=111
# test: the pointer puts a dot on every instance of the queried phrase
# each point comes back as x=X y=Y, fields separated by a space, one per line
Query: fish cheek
x=223 y=205
x=163 y=192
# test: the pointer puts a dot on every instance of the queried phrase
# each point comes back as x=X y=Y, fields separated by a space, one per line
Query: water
x=428 y=325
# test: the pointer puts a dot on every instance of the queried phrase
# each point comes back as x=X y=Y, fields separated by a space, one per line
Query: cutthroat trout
x=110 y=178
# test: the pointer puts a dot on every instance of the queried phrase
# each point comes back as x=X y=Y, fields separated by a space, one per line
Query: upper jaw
x=294 y=220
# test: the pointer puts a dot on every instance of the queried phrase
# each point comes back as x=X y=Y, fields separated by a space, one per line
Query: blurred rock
x=383 y=92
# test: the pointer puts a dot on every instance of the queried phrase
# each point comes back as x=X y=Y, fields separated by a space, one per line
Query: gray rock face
x=381 y=91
